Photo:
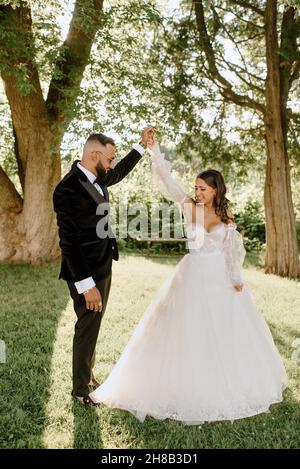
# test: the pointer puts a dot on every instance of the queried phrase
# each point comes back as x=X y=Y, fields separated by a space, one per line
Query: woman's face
x=203 y=192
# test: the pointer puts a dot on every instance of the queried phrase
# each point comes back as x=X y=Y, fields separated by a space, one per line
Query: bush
x=250 y=222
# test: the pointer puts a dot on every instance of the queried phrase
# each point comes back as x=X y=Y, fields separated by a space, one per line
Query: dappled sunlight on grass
x=37 y=324
x=59 y=406
x=31 y=303
x=69 y=424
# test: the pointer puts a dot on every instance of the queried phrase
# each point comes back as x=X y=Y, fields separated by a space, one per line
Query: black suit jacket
x=75 y=201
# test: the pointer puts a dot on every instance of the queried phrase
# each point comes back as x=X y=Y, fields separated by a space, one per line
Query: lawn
x=36 y=323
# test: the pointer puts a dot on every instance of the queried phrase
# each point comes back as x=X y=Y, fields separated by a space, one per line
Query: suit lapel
x=91 y=189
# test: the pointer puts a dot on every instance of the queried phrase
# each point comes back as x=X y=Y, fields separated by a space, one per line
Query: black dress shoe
x=85 y=400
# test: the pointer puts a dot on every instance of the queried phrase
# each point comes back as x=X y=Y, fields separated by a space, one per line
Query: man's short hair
x=101 y=138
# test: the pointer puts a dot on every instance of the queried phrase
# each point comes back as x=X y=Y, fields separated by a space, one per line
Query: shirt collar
x=91 y=177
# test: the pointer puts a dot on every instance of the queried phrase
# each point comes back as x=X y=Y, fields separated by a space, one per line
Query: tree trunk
x=28 y=226
x=28 y=229
x=10 y=208
x=282 y=256
x=38 y=222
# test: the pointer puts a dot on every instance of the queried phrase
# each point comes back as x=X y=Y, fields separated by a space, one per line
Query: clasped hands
x=148 y=137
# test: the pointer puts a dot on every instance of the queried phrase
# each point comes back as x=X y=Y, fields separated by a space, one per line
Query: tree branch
x=72 y=60
x=20 y=74
x=232 y=67
x=225 y=87
x=258 y=128
x=249 y=83
x=241 y=41
x=242 y=70
x=249 y=6
x=17 y=56
x=295 y=74
x=250 y=23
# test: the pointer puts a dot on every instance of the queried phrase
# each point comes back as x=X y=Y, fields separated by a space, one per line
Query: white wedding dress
x=201 y=351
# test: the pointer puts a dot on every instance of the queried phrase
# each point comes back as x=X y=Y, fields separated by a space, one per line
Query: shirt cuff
x=139 y=148
x=85 y=284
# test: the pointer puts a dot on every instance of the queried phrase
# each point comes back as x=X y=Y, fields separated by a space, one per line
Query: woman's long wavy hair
x=215 y=180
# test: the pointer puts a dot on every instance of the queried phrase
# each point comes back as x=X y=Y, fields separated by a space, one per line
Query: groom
x=87 y=254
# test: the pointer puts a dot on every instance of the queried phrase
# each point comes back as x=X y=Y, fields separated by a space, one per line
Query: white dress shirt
x=88 y=283
x=91 y=177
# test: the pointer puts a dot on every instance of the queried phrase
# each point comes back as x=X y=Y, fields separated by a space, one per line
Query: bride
x=201 y=351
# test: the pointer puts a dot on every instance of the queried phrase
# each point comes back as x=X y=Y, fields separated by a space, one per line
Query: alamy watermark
x=156 y=221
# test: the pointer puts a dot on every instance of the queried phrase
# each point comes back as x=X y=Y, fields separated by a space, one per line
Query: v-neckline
x=214 y=227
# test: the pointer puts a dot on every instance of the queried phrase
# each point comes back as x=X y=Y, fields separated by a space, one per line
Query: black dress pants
x=86 y=333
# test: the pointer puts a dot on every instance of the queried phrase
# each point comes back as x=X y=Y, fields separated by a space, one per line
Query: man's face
x=108 y=156
x=106 y=159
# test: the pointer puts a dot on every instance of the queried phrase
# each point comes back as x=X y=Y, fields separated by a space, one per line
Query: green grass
x=36 y=322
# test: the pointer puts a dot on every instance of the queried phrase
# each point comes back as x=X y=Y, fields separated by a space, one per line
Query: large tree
x=270 y=100
x=46 y=82
x=259 y=75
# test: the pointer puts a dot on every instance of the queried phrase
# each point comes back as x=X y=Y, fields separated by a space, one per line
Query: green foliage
x=250 y=222
x=292 y=3
x=117 y=93
x=146 y=67
x=196 y=105
x=7 y=156
x=139 y=187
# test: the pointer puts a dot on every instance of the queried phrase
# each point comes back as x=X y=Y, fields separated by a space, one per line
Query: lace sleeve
x=166 y=183
x=234 y=252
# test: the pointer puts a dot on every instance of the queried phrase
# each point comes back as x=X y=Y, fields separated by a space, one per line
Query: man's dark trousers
x=86 y=333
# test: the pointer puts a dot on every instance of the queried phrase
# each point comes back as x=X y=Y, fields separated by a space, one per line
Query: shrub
x=250 y=222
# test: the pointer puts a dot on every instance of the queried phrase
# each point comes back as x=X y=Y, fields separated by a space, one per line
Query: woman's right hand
x=238 y=286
